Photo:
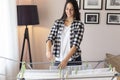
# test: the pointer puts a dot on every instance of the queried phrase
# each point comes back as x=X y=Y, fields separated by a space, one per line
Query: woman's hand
x=49 y=56
x=63 y=64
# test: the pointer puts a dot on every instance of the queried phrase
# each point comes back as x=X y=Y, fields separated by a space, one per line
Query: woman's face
x=69 y=10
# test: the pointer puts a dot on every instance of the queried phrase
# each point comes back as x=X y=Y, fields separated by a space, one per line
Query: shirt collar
x=62 y=20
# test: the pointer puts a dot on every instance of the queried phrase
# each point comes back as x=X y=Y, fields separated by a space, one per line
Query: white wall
x=98 y=38
x=101 y=38
x=8 y=40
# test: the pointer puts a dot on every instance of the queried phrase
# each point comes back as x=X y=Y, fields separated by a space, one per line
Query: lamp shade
x=27 y=15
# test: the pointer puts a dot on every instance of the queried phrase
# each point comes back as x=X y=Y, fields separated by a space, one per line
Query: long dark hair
x=76 y=10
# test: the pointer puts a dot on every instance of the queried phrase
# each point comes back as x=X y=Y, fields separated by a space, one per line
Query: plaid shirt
x=76 y=35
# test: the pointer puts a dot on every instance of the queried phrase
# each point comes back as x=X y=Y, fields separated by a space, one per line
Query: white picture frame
x=112 y=5
x=92 y=18
x=79 y=4
x=92 y=4
x=113 y=18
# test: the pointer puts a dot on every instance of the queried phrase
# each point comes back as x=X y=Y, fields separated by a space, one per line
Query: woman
x=66 y=36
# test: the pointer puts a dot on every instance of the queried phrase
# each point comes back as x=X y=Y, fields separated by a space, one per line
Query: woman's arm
x=49 y=54
x=50 y=41
x=65 y=61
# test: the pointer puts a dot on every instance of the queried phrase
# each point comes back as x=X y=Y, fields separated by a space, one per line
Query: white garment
x=65 y=43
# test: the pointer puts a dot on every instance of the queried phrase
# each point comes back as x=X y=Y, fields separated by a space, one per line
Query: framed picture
x=79 y=4
x=92 y=18
x=112 y=5
x=113 y=18
x=92 y=4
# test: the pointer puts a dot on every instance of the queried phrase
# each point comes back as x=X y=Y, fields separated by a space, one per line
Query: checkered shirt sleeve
x=53 y=32
x=78 y=34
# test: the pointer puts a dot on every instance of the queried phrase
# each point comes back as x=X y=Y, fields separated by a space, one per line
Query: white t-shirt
x=65 y=43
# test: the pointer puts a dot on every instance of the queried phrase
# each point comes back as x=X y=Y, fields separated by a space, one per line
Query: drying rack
x=83 y=72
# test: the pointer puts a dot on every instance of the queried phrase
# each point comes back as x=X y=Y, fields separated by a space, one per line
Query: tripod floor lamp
x=27 y=15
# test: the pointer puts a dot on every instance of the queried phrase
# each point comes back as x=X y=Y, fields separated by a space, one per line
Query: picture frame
x=92 y=4
x=113 y=18
x=112 y=4
x=79 y=4
x=91 y=18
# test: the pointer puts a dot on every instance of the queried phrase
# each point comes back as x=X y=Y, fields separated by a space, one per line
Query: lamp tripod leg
x=30 y=57
x=22 y=53
x=26 y=36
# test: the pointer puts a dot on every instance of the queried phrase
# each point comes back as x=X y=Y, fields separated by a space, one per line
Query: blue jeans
x=76 y=61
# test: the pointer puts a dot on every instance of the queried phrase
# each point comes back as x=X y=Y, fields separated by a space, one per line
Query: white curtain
x=8 y=40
